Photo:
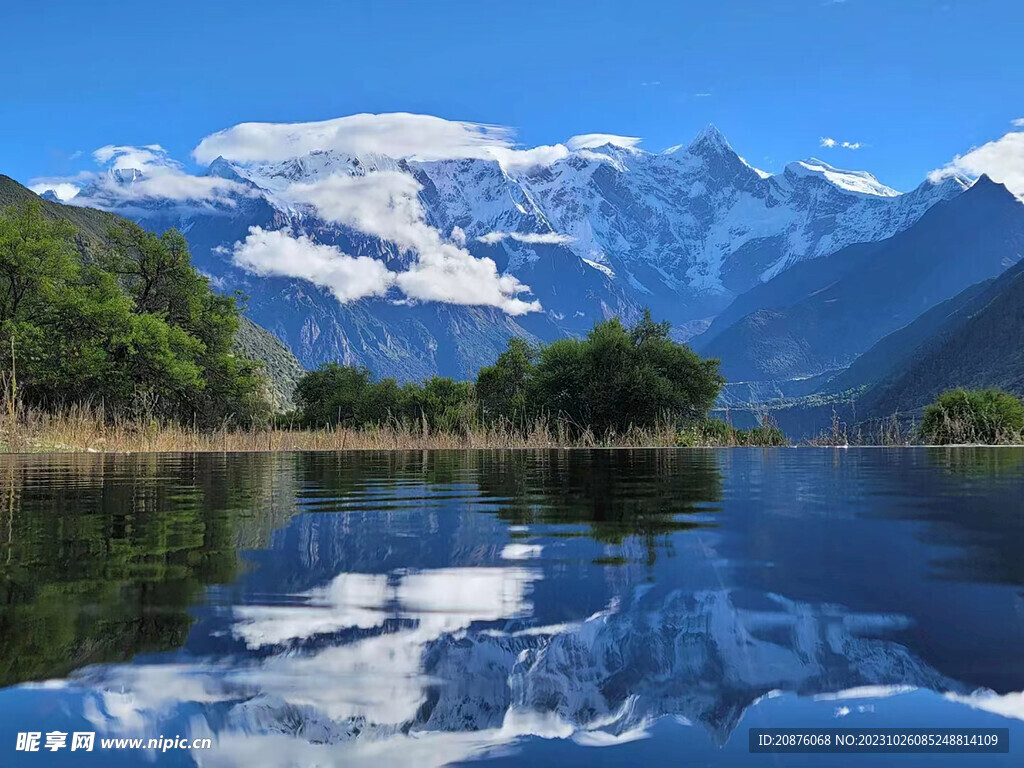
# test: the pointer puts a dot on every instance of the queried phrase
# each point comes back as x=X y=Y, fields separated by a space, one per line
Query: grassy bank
x=24 y=429
x=82 y=429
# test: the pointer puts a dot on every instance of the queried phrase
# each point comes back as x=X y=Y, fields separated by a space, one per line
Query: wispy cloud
x=397 y=135
x=702 y=95
x=531 y=238
x=64 y=190
x=592 y=140
x=386 y=204
x=131 y=174
x=65 y=187
x=1001 y=160
x=524 y=160
x=829 y=142
x=1018 y=123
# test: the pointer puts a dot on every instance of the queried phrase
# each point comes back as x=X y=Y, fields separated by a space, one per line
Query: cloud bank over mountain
x=1001 y=160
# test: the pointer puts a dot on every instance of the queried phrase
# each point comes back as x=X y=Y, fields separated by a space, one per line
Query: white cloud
x=281 y=254
x=1002 y=160
x=64 y=190
x=525 y=160
x=592 y=140
x=386 y=204
x=132 y=174
x=702 y=95
x=1018 y=123
x=1008 y=705
x=829 y=142
x=398 y=135
x=450 y=274
x=126 y=157
x=539 y=238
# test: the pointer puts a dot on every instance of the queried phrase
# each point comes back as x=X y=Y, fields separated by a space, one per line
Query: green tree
x=382 y=402
x=442 y=404
x=330 y=394
x=135 y=321
x=38 y=261
x=620 y=377
x=615 y=378
x=503 y=389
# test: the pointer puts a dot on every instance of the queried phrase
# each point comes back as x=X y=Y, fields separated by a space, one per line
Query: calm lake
x=569 y=608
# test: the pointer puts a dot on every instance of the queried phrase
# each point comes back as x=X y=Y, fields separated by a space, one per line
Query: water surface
x=502 y=608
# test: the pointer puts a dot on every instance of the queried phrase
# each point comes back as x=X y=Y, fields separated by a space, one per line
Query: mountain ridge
x=821 y=315
x=603 y=230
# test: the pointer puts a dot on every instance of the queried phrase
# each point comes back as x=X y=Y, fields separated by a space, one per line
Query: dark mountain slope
x=976 y=349
x=91 y=224
x=789 y=288
x=873 y=290
x=892 y=353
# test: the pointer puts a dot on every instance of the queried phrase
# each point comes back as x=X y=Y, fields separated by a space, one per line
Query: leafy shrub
x=988 y=416
x=707 y=432
x=766 y=435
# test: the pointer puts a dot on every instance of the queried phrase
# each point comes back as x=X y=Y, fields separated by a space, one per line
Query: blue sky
x=915 y=82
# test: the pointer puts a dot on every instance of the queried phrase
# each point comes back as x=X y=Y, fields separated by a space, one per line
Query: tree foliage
x=133 y=325
x=616 y=378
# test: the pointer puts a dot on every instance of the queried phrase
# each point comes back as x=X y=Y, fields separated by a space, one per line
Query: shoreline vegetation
x=81 y=429
x=114 y=342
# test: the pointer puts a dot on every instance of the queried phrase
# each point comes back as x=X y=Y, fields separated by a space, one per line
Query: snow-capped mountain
x=699 y=658
x=579 y=233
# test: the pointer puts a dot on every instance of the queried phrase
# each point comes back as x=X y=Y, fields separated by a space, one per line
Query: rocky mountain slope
x=821 y=315
x=282 y=369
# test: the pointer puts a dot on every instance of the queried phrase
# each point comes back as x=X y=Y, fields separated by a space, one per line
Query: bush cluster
x=715 y=432
x=987 y=416
x=615 y=379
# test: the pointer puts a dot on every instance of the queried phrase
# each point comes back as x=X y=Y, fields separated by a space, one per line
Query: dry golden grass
x=83 y=429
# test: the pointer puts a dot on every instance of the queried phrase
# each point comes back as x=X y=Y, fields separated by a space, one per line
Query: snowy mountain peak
x=858 y=182
x=954 y=181
x=598 y=227
x=709 y=138
x=224 y=170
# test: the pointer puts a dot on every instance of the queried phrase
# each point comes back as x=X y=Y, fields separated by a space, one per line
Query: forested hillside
x=82 y=240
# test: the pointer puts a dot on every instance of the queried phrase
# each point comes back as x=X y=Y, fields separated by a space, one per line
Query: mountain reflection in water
x=428 y=608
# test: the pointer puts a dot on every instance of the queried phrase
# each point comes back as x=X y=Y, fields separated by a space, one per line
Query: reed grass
x=84 y=428
x=88 y=429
